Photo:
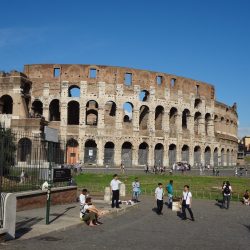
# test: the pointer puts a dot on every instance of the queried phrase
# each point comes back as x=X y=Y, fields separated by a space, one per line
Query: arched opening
x=197 y=155
x=73 y=113
x=74 y=91
x=143 y=119
x=54 y=110
x=143 y=154
x=127 y=112
x=207 y=123
x=185 y=116
x=144 y=96
x=90 y=152
x=110 y=113
x=92 y=113
x=216 y=157
x=172 y=154
x=159 y=114
x=72 y=154
x=159 y=153
x=207 y=156
x=197 y=118
x=172 y=121
x=6 y=104
x=222 y=157
x=109 y=152
x=232 y=158
x=37 y=109
x=216 y=122
x=228 y=157
x=197 y=103
x=24 y=150
x=127 y=154
x=185 y=153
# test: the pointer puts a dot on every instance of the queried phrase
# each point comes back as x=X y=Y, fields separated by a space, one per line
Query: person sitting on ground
x=246 y=199
x=82 y=200
x=90 y=213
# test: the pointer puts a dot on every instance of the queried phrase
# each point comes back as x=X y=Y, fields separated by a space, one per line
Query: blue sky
x=205 y=40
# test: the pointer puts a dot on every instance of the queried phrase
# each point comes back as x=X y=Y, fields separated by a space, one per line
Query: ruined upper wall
x=74 y=73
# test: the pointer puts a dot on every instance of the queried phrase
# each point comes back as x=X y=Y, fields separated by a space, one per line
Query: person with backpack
x=170 y=191
x=227 y=191
x=187 y=203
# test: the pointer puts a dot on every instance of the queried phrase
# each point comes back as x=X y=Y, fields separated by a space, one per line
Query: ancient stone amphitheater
x=113 y=115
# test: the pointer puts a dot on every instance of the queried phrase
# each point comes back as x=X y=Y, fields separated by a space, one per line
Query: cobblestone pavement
x=142 y=228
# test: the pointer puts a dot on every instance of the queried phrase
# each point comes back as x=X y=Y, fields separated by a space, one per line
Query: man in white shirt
x=115 y=188
x=82 y=200
x=187 y=203
x=159 y=193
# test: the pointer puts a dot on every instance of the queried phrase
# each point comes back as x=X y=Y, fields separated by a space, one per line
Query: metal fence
x=24 y=160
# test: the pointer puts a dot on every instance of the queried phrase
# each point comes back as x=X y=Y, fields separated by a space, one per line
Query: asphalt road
x=142 y=228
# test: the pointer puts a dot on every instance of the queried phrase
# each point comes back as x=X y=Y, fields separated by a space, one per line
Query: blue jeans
x=135 y=195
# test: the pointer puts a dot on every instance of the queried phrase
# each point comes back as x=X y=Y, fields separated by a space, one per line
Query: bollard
x=107 y=194
x=122 y=190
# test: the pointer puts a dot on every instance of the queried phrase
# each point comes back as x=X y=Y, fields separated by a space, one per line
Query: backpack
x=227 y=190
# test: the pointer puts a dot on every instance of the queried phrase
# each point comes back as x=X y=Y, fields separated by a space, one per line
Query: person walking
x=159 y=193
x=115 y=188
x=136 y=190
x=227 y=191
x=187 y=203
x=170 y=191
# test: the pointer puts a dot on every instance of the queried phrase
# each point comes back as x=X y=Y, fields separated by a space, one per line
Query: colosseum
x=111 y=115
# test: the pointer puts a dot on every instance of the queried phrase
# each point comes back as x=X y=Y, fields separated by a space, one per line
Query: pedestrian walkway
x=31 y=223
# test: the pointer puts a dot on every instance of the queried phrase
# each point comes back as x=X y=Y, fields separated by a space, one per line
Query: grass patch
x=207 y=187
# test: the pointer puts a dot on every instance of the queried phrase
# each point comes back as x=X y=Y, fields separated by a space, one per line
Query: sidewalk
x=31 y=223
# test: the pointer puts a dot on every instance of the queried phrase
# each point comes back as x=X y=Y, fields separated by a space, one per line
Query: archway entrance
x=143 y=154
x=159 y=152
x=109 y=152
x=185 y=154
x=127 y=154
x=172 y=154
x=72 y=155
x=24 y=150
x=90 y=153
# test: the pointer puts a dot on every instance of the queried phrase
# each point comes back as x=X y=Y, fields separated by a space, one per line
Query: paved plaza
x=142 y=228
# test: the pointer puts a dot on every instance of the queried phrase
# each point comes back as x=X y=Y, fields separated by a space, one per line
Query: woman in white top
x=187 y=203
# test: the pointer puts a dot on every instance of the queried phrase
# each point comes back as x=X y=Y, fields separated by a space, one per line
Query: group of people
x=186 y=200
x=88 y=212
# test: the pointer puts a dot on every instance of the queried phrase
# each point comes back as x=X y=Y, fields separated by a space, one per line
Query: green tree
x=7 y=150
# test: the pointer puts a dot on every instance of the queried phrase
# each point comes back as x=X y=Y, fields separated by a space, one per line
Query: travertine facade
x=112 y=115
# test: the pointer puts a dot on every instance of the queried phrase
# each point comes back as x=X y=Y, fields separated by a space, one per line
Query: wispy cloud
x=243 y=131
x=16 y=36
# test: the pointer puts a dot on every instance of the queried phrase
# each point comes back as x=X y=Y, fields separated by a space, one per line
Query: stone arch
x=110 y=113
x=185 y=116
x=143 y=154
x=208 y=119
x=6 y=104
x=37 y=108
x=197 y=155
x=92 y=113
x=54 y=110
x=109 y=153
x=144 y=96
x=72 y=151
x=144 y=117
x=127 y=154
x=185 y=153
x=90 y=152
x=207 y=155
x=74 y=91
x=216 y=157
x=197 y=118
x=222 y=157
x=197 y=103
x=73 y=113
x=128 y=109
x=159 y=154
x=24 y=149
x=172 y=154
x=159 y=117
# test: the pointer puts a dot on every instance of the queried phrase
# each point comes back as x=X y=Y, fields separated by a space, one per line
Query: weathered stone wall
x=175 y=119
